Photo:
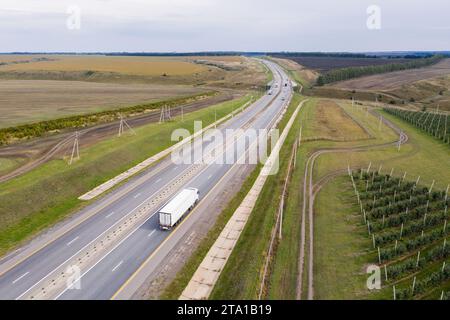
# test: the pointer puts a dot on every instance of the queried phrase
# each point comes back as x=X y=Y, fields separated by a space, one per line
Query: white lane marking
x=72 y=241
x=19 y=278
x=137 y=195
x=175 y=168
x=118 y=265
x=158 y=180
x=209 y=177
x=109 y=215
x=151 y=233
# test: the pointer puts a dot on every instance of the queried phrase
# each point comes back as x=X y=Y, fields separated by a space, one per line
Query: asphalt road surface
x=104 y=272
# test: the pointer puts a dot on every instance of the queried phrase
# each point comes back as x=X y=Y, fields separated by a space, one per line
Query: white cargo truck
x=176 y=208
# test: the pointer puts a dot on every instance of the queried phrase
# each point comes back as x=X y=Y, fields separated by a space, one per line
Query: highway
x=121 y=229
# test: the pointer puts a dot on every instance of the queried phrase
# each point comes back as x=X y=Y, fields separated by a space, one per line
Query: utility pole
x=121 y=126
x=75 y=149
x=162 y=115
x=165 y=114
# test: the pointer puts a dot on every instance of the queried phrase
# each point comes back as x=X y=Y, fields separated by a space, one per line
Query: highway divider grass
x=47 y=194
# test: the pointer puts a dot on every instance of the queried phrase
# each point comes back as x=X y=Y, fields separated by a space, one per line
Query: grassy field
x=8 y=164
x=340 y=245
x=345 y=250
x=49 y=193
x=330 y=122
x=284 y=276
x=242 y=274
x=230 y=72
x=24 y=101
x=342 y=276
x=422 y=155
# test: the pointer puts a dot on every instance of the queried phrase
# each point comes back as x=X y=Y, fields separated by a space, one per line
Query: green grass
x=8 y=164
x=340 y=247
x=422 y=155
x=342 y=276
x=340 y=244
x=49 y=193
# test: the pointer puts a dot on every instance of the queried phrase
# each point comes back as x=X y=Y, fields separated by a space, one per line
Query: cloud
x=191 y=25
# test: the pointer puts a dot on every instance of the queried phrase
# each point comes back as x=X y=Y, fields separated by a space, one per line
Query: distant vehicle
x=283 y=98
x=285 y=84
x=269 y=92
x=176 y=208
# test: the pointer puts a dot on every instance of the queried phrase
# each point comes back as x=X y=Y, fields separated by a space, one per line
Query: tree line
x=354 y=72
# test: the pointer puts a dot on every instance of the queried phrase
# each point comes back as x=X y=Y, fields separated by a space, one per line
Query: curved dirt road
x=310 y=191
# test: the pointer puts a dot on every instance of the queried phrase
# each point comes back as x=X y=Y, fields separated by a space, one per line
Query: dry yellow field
x=24 y=101
x=7 y=58
x=150 y=66
x=327 y=114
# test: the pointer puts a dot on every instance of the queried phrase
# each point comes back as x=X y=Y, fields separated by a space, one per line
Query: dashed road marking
x=151 y=233
x=137 y=195
x=72 y=241
x=19 y=278
x=109 y=215
x=117 y=266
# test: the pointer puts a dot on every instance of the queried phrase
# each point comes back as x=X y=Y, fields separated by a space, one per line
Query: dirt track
x=41 y=150
x=310 y=191
x=391 y=80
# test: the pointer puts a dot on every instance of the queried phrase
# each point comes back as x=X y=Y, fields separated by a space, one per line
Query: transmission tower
x=75 y=150
x=165 y=114
x=121 y=126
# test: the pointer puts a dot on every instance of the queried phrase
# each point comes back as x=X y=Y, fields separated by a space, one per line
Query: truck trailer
x=176 y=208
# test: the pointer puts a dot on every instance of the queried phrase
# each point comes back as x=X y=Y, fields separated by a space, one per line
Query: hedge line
x=354 y=72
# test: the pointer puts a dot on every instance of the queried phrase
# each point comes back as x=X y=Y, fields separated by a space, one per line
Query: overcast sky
x=206 y=25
